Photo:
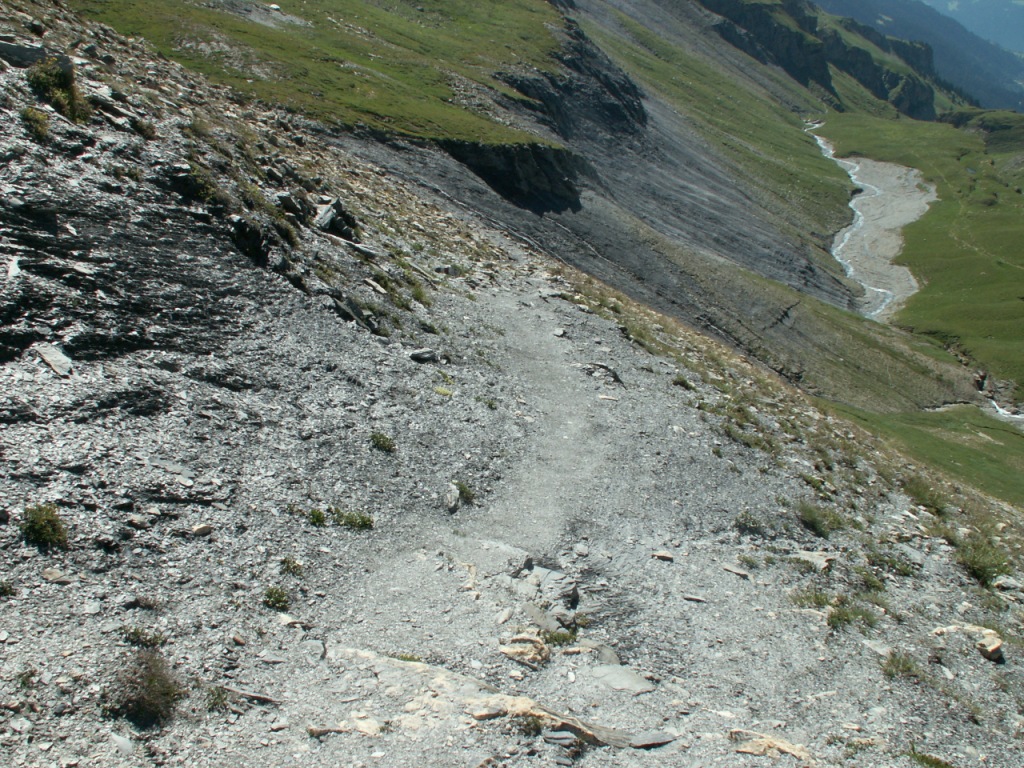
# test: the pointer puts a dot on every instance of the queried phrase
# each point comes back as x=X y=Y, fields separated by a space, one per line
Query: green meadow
x=387 y=65
x=966 y=251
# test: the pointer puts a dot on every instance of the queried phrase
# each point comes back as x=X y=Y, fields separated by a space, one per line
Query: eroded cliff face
x=789 y=35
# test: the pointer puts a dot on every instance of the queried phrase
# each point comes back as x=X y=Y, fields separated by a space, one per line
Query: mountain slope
x=656 y=196
x=350 y=473
x=1001 y=21
x=230 y=378
x=994 y=76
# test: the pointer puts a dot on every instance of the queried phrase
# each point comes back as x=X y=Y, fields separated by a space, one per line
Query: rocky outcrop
x=588 y=89
x=788 y=35
x=539 y=177
x=906 y=91
x=781 y=34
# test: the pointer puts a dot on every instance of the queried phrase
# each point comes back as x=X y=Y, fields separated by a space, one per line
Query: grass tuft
x=381 y=442
x=43 y=527
x=146 y=693
x=819 y=520
x=276 y=598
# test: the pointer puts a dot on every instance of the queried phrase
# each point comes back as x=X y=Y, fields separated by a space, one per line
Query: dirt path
x=893 y=196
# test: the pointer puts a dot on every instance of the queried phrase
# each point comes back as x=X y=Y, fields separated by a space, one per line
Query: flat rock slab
x=57 y=360
x=651 y=739
x=620 y=678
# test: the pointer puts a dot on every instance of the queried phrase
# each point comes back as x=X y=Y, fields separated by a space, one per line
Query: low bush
x=37 y=123
x=819 y=520
x=55 y=84
x=276 y=598
x=982 y=559
x=43 y=527
x=145 y=693
x=382 y=443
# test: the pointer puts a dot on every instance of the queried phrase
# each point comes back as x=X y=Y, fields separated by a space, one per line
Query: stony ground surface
x=597 y=538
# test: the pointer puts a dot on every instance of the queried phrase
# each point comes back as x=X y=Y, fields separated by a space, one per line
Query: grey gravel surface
x=625 y=580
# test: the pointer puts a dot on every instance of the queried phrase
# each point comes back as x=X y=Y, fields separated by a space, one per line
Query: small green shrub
x=37 y=123
x=146 y=692
x=811 y=598
x=144 y=128
x=928 y=761
x=982 y=559
x=748 y=523
x=55 y=85
x=6 y=589
x=466 y=494
x=276 y=598
x=26 y=679
x=407 y=657
x=205 y=187
x=382 y=443
x=685 y=383
x=217 y=699
x=359 y=521
x=528 y=725
x=142 y=638
x=558 y=637
x=900 y=665
x=317 y=517
x=845 y=613
x=819 y=520
x=923 y=493
x=290 y=566
x=43 y=527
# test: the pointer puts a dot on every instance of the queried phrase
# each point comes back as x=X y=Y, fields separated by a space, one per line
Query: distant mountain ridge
x=1001 y=21
x=990 y=74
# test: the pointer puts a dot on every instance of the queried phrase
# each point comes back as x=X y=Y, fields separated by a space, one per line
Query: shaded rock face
x=589 y=90
x=797 y=45
x=907 y=92
x=755 y=29
x=532 y=176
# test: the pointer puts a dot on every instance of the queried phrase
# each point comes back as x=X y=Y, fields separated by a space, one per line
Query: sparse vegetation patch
x=43 y=527
x=145 y=693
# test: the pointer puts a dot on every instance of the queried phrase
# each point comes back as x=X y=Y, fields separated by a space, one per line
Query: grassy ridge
x=392 y=65
x=966 y=250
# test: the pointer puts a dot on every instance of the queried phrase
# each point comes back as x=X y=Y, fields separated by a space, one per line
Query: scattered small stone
x=124 y=745
x=694 y=599
x=821 y=561
x=620 y=678
x=55 y=576
x=651 y=739
x=57 y=360
x=991 y=647
x=487 y=712
x=424 y=355
x=561 y=738
x=139 y=522
x=664 y=555
x=451 y=498
x=203 y=529
x=881 y=649
x=737 y=571
x=1007 y=584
